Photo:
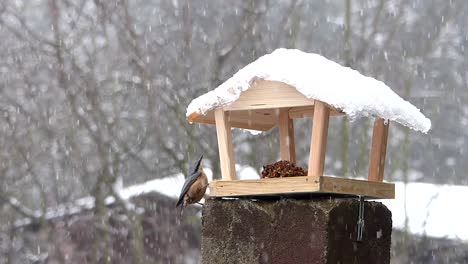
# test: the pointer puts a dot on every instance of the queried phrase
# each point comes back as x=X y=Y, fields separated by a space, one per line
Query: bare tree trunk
x=345 y=127
x=137 y=247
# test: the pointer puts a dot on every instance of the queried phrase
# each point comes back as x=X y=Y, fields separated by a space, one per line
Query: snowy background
x=93 y=98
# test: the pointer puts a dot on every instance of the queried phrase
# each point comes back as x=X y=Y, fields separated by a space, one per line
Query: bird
x=195 y=185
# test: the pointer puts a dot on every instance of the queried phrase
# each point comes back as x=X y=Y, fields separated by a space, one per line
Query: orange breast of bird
x=198 y=188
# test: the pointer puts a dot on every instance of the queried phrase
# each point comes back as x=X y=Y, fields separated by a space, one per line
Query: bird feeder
x=289 y=84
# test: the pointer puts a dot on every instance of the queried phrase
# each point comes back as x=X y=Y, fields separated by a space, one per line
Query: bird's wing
x=188 y=182
x=195 y=166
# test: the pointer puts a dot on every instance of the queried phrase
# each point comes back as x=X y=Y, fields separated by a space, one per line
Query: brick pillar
x=294 y=231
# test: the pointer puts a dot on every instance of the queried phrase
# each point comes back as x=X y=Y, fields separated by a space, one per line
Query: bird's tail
x=179 y=203
x=181 y=211
x=197 y=165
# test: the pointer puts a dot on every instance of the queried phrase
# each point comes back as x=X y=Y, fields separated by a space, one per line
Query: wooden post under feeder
x=378 y=150
x=318 y=145
x=226 y=153
x=286 y=134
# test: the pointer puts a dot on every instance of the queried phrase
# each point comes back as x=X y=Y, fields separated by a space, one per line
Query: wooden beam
x=239 y=119
x=259 y=119
x=286 y=134
x=226 y=154
x=302 y=184
x=264 y=94
x=319 y=139
x=308 y=111
x=378 y=150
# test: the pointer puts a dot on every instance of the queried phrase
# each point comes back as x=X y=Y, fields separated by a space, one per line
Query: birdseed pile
x=282 y=168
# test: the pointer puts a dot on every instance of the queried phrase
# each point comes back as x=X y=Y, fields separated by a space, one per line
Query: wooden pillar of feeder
x=319 y=139
x=378 y=150
x=226 y=154
x=286 y=134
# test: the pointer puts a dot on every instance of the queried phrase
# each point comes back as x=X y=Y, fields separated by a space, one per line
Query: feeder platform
x=323 y=185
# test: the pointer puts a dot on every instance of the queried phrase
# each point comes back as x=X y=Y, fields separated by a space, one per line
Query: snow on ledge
x=431 y=209
x=318 y=78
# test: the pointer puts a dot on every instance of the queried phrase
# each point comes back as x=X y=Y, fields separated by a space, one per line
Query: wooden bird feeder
x=266 y=104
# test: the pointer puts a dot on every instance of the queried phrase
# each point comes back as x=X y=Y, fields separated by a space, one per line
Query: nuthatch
x=195 y=185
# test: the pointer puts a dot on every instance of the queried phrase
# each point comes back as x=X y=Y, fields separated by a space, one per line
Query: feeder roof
x=316 y=78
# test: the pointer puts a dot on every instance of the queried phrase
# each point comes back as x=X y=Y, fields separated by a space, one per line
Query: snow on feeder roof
x=312 y=77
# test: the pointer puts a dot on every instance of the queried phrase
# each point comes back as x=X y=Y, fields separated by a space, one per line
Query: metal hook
x=360 y=222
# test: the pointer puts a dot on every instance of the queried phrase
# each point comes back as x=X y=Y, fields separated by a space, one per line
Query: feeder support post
x=315 y=231
x=286 y=133
x=226 y=154
x=378 y=150
x=319 y=139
